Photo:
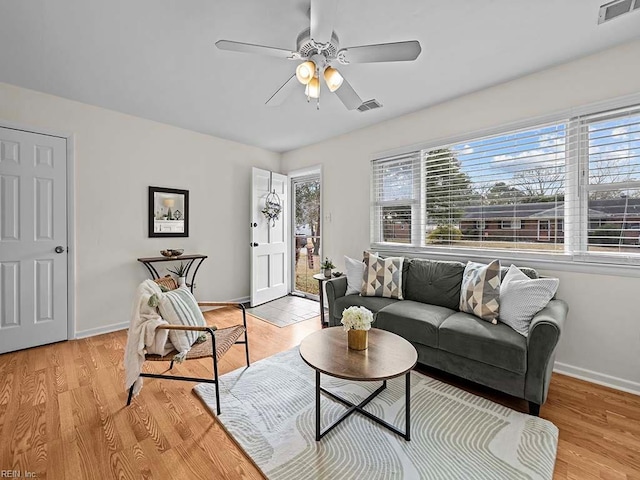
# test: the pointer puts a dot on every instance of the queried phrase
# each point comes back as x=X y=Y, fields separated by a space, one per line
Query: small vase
x=327 y=272
x=182 y=281
x=358 y=339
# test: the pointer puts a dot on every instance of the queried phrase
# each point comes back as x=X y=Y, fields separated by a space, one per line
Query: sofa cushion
x=434 y=282
x=529 y=272
x=498 y=345
x=480 y=290
x=372 y=303
x=355 y=272
x=522 y=297
x=382 y=277
x=414 y=321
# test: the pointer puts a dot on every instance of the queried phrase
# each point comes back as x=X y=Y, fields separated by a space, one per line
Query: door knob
x=253 y=244
x=59 y=249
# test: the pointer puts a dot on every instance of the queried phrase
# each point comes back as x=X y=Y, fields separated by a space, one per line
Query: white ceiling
x=157 y=59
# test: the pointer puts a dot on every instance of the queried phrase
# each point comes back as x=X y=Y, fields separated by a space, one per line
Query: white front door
x=269 y=265
x=33 y=239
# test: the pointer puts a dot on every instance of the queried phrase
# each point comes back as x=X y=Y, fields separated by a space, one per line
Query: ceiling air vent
x=371 y=105
x=614 y=9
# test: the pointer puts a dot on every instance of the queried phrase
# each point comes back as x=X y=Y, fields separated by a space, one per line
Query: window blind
x=499 y=192
x=567 y=188
x=611 y=172
x=396 y=199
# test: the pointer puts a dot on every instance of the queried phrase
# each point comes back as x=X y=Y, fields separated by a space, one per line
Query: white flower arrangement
x=356 y=318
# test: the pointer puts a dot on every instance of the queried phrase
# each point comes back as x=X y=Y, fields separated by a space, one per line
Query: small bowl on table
x=172 y=252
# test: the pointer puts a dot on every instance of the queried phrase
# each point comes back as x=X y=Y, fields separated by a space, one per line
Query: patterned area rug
x=269 y=409
x=286 y=310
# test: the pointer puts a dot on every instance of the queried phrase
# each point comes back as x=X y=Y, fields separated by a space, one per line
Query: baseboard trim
x=241 y=300
x=91 y=332
x=597 y=378
x=114 y=327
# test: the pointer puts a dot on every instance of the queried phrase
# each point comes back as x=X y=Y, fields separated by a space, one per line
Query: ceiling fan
x=318 y=49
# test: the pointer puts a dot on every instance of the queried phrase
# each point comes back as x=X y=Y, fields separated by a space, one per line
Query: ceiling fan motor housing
x=308 y=48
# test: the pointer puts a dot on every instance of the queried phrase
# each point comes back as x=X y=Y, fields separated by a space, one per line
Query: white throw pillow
x=355 y=271
x=179 y=307
x=522 y=297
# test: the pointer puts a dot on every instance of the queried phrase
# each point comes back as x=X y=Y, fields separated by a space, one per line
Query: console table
x=190 y=259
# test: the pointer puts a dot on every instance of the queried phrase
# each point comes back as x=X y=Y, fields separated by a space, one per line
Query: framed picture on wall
x=168 y=212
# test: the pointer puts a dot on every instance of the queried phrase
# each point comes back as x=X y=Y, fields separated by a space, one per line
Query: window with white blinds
x=566 y=188
x=397 y=203
x=612 y=181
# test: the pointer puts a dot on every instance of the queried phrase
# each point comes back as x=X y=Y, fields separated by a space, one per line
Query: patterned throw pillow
x=480 y=293
x=179 y=307
x=382 y=276
x=522 y=297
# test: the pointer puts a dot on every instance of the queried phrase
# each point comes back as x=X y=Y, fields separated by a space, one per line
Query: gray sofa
x=459 y=343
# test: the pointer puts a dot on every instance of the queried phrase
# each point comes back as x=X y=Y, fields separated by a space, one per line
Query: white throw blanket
x=143 y=336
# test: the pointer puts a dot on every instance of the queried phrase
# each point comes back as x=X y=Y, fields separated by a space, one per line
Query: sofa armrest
x=544 y=334
x=335 y=288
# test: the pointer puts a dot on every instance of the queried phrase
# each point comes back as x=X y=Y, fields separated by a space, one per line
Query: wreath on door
x=272 y=207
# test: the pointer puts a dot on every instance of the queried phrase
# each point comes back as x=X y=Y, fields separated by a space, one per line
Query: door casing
x=315 y=170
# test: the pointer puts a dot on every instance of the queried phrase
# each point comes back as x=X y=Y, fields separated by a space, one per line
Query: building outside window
x=511 y=224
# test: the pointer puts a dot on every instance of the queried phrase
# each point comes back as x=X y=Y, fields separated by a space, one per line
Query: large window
x=570 y=187
x=613 y=186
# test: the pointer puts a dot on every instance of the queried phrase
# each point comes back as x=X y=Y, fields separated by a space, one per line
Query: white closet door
x=33 y=239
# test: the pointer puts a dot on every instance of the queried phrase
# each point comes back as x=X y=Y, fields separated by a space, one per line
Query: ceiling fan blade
x=348 y=95
x=323 y=16
x=232 y=46
x=384 y=52
x=283 y=92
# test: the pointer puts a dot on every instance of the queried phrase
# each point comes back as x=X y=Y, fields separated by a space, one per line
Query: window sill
x=599 y=265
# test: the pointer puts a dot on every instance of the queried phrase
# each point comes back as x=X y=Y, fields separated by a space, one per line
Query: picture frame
x=168 y=212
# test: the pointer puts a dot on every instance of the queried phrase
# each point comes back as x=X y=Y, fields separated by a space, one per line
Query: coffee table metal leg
x=352 y=407
x=407 y=399
x=317 y=406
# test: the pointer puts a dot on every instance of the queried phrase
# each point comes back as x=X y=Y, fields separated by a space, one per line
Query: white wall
x=602 y=336
x=118 y=157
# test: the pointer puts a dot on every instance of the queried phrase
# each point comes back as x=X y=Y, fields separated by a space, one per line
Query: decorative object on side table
x=181 y=272
x=327 y=265
x=172 y=252
x=357 y=323
x=189 y=259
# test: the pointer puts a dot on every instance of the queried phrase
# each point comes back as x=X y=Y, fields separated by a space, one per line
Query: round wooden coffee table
x=387 y=357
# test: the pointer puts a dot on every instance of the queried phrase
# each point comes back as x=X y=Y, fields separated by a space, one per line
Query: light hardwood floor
x=63 y=415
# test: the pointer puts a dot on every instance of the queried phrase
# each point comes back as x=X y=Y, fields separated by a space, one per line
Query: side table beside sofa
x=460 y=343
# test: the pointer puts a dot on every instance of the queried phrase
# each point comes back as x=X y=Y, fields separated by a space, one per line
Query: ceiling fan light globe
x=332 y=78
x=312 y=89
x=305 y=72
